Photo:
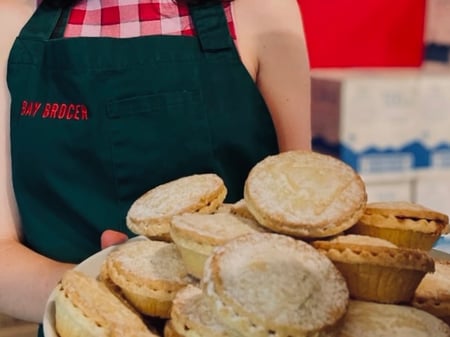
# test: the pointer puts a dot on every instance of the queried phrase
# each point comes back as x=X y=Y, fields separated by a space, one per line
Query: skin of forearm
x=26 y=281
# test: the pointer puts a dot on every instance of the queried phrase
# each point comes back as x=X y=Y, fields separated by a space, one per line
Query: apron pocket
x=157 y=138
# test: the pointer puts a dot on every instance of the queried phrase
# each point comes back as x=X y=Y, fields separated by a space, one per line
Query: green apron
x=96 y=122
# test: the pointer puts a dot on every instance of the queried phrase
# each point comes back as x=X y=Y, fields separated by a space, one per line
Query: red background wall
x=367 y=33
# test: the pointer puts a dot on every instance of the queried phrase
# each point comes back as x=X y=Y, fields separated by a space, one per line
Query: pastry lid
x=274 y=283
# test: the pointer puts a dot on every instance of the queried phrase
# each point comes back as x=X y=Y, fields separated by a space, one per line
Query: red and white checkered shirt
x=131 y=18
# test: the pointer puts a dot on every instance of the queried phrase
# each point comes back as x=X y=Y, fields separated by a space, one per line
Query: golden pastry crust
x=398 y=222
x=197 y=234
x=370 y=319
x=194 y=258
x=305 y=194
x=149 y=273
x=401 y=237
x=372 y=252
x=191 y=314
x=405 y=209
x=85 y=307
x=404 y=223
x=433 y=292
x=375 y=269
x=265 y=284
x=104 y=278
x=224 y=208
x=240 y=208
x=212 y=229
x=150 y=214
x=169 y=331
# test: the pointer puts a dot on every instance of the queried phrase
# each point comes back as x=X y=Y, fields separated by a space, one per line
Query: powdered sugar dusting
x=363 y=240
x=284 y=282
x=379 y=320
x=304 y=187
x=194 y=307
x=219 y=227
x=436 y=286
x=154 y=260
x=175 y=196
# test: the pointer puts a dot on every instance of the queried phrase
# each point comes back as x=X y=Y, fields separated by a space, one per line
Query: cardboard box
x=394 y=188
x=434 y=110
x=368 y=118
x=432 y=189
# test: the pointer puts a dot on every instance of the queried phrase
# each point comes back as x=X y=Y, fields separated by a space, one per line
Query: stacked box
x=432 y=186
x=391 y=125
x=385 y=189
x=369 y=118
x=434 y=107
x=432 y=189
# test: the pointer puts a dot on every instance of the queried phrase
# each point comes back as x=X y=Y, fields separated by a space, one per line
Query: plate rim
x=91 y=267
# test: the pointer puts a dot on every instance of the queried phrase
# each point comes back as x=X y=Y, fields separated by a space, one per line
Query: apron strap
x=43 y=23
x=211 y=27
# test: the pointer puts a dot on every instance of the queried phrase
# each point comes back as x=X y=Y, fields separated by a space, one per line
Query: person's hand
x=110 y=237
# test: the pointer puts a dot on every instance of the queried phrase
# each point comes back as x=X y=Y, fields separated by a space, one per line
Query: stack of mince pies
x=302 y=254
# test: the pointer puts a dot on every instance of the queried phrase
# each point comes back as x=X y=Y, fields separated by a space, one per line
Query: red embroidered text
x=54 y=110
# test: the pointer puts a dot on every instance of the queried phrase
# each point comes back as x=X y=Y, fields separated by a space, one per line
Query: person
x=102 y=100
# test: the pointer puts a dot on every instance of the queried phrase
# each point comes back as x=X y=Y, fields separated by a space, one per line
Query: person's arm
x=274 y=30
x=26 y=277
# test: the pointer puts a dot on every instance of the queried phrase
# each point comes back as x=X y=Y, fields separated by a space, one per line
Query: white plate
x=91 y=266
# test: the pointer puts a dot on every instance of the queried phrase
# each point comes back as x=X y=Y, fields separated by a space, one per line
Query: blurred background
x=381 y=93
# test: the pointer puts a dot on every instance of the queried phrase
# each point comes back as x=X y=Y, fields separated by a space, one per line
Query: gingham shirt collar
x=131 y=18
